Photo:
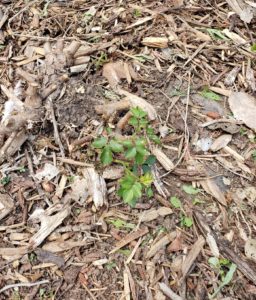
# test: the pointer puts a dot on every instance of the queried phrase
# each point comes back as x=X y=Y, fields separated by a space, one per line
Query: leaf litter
x=72 y=75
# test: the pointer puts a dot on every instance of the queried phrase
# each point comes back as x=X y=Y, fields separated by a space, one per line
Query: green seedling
x=133 y=154
x=253 y=48
x=125 y=252
x=198 y=201
x=5 y=180
x=118 y=223
x=110 y=265
x=216 y=34
x=137 y=13
x=22 y=169
x=142 y=57
x=189 y=189
x=242 y=131
x=185 y=221
x=254 y=155
x=176 y=202
x=225 y=270
x=208 y=94
x=101 y=60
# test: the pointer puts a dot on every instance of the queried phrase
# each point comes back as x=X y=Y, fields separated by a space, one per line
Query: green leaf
x=253 y=48
x=146 y=168
x=197 y=201
x=139 y=158
x=175 y=202
x=125 y=252
x=149 y=192
x=224 y=262
x=230 y=274
x=5 y=180
x=140 y=142
x=143 y=123
x=137 y=190
x=206 y=93
x=150 y=161
x=189 y=189
x=216 y=34
x=226 y=280
x=214 y=262
x=146 y=179
x=106 y=156
x=138 y=112
x=116 y=147
x=118 y=223
x=100 y=142
x=130 y=153
x=110 y=265
x=134 y=122
x=142 y=150
x=187 y=222
x=128 y=196
x=127 y=181
x=154 y=138
x=127 y=143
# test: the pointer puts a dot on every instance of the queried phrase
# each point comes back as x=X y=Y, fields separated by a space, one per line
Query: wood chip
x=129 y=238
x=191 y=257
x=161 y=244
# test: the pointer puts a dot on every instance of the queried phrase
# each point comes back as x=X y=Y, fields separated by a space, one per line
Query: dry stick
x=195 y=53
x=26 y=284
x=74 y=162
x=56 y=132
x=168 y=292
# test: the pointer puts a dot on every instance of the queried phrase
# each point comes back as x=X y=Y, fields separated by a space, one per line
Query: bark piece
x=48 y=224
x=160 y=244
x=96 y=186
x=60 y=246
x=191 y=257
x=6 y=205
x=129 y=238
x=155 y=42
x=152 y=214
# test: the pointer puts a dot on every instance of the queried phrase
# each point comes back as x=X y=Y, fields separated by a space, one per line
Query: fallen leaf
x=243 y=107
x=221 y=142
x=140 y=102
x=48 y=173
x=115 y=71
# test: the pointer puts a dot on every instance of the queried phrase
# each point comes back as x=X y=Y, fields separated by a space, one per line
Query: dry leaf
x=115 y=71
x=221 y=142
x=140 y=102
x=48 y=173
x=243 y=107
